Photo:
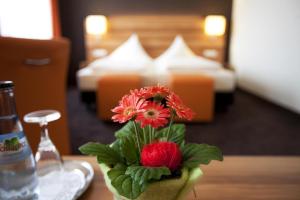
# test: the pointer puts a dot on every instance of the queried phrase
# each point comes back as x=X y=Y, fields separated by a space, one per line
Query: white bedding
x=130 y=58
x=224 y=79
x=87 y=78
x=108 y=64
x=191 y=64
x=179 y=57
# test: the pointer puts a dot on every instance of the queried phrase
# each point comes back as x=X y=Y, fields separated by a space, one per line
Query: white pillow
x=129 y=56
x=178 y=49
x=180 y=57
x=131 y=50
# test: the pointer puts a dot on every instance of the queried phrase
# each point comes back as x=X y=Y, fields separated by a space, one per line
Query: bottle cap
x=6 y=84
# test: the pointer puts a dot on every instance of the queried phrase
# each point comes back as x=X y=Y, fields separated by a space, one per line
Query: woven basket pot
x=170 y=189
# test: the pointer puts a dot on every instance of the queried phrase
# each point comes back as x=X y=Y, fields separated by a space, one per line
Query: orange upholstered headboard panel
x=156 y=33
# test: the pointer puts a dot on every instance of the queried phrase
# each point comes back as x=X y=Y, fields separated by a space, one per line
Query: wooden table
x=237 y=177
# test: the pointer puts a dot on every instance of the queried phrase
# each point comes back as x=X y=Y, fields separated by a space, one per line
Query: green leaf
x=177 y=133
x=196 y=154
x=104 y=153
x=118 y=170
x=143 y=174
x=129 y=151
x=127 y=142
x=124 y=184
x=116 y=145
x=127 y=130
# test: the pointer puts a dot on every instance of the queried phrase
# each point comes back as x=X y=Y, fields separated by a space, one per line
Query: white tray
x=76 y=179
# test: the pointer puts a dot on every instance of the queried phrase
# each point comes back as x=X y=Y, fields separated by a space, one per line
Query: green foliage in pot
x=150 y=147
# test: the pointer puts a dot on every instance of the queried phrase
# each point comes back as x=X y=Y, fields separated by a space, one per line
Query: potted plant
x=149 y=158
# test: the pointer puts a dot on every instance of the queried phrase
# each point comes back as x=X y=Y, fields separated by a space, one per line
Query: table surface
x=237 y=177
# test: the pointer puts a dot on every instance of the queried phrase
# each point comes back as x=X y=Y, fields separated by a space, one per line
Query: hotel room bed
x=177 y=59
x=224 y=85
x=183 y=56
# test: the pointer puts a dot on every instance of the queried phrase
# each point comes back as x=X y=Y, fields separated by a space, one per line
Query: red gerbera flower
x=153 y=91
x=127 y=108
x=153 y=114
x=182 y=111
x=138 y=93
x=161 y=154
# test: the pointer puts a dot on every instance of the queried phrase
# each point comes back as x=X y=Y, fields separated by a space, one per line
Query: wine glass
x=47 y=157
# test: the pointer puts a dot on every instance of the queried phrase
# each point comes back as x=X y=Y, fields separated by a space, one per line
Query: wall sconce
x=96 y=24
x=215 y=25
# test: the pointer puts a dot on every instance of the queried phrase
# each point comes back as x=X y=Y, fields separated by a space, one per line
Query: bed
x=156 y=47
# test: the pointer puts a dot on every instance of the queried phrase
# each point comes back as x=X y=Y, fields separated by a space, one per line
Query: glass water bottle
x=18 y=177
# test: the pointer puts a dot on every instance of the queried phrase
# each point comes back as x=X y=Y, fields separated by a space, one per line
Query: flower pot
x=169 y=189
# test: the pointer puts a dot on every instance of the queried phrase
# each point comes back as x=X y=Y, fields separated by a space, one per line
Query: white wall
x=265 y=49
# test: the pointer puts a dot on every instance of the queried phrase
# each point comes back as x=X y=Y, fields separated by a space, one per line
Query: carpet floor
x=251 y=126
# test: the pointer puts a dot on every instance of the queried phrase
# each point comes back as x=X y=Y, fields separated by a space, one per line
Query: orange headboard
x=156 y=33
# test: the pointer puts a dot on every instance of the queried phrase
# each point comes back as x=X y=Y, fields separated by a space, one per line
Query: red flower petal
x=127 y=108
x=182 y=111
x=153 y=114
x=149 y=92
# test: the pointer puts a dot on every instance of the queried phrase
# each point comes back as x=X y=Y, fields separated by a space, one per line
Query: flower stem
x=153 y=134
x=138 y=139
x=170 y=125
x=149 y=133
x=145 y=136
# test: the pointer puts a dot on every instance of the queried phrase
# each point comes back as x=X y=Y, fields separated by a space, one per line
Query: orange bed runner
x=111 y=88
x=197 y=92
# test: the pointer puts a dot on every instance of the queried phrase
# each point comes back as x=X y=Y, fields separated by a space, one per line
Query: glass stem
x=46 y=143
x=44 y=133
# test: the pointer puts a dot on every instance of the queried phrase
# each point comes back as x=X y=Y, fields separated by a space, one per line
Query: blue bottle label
x=13 y=147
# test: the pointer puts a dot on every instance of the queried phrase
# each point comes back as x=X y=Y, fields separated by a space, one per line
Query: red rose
x=161 y=154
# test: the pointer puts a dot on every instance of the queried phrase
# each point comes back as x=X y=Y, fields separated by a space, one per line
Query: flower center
x=129 y=111
x=151 y=114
